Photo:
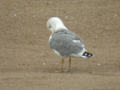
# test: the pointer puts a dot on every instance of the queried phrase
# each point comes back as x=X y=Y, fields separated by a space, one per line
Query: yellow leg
x=62 y=64
x=69 y=63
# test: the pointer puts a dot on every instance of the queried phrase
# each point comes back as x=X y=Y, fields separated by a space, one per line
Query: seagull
x=64 y=42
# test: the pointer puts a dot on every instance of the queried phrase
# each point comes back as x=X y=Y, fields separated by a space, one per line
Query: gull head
x=54 y=24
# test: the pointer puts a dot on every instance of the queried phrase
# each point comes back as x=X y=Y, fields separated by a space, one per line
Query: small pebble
x=44 y=63
x=115 y=15
x=15 y=15
x=66 y=17
x=98 y=64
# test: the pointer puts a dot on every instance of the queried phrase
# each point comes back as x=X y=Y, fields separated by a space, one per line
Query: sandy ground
x=26 y=61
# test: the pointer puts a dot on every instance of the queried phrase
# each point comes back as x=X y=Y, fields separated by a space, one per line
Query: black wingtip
x=87 y=54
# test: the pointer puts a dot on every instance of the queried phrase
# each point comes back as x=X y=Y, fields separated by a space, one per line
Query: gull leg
x=69 y=63
x=62 y=64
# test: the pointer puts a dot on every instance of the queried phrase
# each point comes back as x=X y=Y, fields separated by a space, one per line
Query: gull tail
x=87 y=55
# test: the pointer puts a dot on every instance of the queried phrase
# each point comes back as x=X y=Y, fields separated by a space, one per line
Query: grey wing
x=67 y=44
x=76 y=38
